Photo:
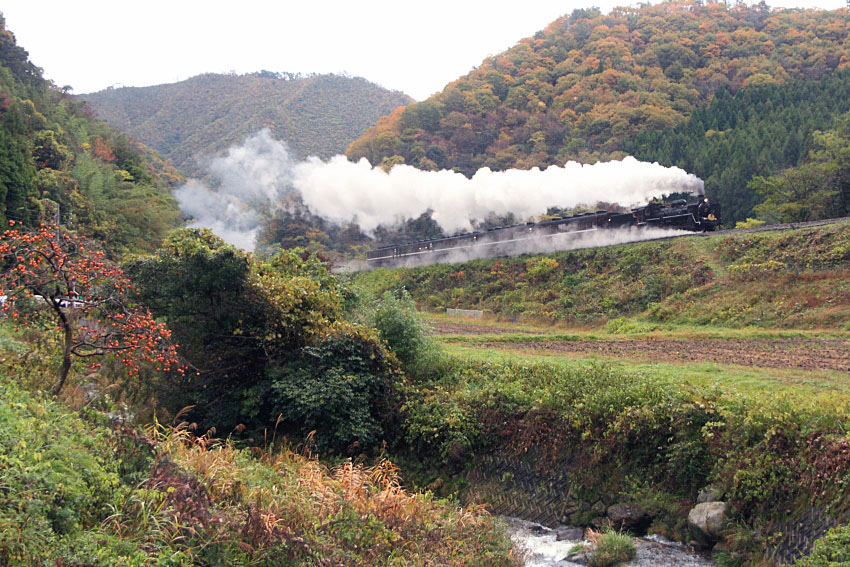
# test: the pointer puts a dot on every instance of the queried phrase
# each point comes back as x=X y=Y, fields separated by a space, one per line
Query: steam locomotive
x=499 y=241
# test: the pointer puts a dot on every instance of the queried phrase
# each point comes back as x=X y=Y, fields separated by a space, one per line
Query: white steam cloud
x=250 y=178
x=258 y=175
x=343 y=191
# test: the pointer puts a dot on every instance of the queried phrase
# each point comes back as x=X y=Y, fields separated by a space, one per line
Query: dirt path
x=798 y=353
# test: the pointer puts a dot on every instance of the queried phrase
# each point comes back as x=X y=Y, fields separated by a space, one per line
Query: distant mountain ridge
x=316 y=115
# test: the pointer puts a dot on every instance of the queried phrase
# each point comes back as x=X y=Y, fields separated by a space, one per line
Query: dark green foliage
x=15 y=58
x=17 y=179
x=340 y=388
x=264 y=344
x=818 y=189
x=756 y=131
x=760 y=479
x=201 y=287
x=400 y=326
x=317 y=115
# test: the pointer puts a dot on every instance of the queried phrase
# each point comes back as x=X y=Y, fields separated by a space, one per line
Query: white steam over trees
x=242 y=186
x=259 y=177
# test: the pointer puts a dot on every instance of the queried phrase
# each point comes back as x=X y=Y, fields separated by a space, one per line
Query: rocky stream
x=545 y=547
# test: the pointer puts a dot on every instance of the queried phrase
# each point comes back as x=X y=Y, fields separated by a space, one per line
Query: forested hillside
x=592 y=86
x=58 y=163
x=316 y=115
x=759 y=131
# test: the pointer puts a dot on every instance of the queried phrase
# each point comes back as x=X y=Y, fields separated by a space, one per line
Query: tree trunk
x=66 y=356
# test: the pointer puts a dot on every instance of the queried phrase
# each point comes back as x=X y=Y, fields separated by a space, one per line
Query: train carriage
x=679 y=214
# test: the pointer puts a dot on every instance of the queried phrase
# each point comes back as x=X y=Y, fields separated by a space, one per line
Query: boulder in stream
x=569 y=533
x=707 y=521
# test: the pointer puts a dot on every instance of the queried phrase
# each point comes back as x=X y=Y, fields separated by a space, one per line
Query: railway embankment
x=791 y=278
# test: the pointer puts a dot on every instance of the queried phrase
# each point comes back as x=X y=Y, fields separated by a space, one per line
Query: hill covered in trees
x=592 y=86
x=316 y=115
x=58 y=163
x=759 y=131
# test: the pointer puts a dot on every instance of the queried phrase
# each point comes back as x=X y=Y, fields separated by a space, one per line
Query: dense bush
x=267 y=343
x=341 y=388
x=400 y=326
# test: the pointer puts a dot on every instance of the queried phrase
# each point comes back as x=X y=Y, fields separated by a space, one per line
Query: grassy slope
x=792 y=279
x=729 y=377
x=75 y=490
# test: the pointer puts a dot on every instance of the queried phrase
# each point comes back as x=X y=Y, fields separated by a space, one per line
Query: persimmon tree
x=50 y=274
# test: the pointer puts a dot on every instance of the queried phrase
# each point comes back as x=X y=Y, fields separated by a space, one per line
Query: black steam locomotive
x=678 y=214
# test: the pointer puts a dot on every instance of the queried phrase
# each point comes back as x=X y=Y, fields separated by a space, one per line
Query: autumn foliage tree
x=52 y=275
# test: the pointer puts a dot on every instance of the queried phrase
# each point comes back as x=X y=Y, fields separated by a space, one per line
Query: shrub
x=340 y=389
x=400 y=326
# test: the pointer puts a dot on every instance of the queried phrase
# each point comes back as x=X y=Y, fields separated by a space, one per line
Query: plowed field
x=793 y=353
x=798 y=353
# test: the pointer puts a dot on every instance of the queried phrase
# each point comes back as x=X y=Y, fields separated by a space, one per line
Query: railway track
x=730 y=231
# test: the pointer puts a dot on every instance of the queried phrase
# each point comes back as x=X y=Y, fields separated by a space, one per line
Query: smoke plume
x=248 y=181
x=257 y=176
x=341 y=191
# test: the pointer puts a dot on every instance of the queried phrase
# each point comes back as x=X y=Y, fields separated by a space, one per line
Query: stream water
x=543 y=550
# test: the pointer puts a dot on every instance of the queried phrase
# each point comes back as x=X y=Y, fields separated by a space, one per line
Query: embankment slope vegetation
x=201 y=116
x=787 y=279
x=572 y=441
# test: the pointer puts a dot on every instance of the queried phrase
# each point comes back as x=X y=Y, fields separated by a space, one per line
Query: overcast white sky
x=414 y=47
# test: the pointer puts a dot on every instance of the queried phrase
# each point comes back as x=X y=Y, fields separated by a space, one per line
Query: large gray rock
x=629 y=518
x=707 y=522
x=569 y=533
